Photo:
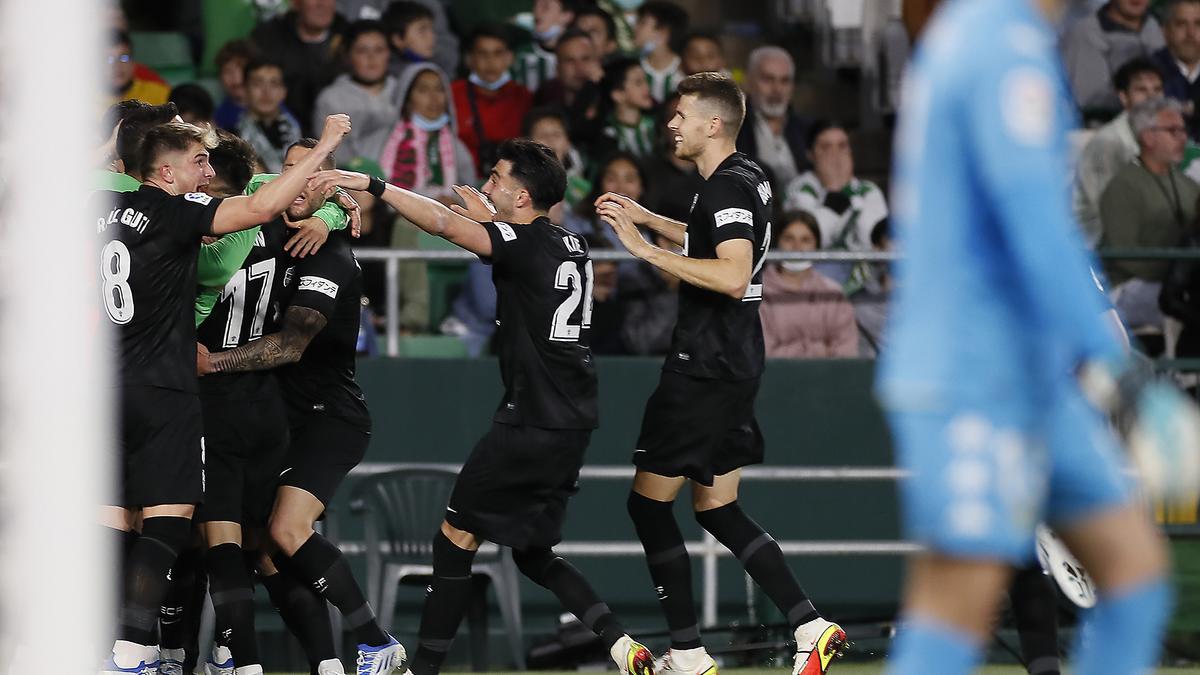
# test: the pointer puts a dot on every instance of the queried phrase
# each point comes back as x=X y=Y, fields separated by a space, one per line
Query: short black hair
x=495 y=31
x=403 y=13
x=536 y=168
x=546 y=112
x=135 y=124
x=610 y=24
x=720 y=89
x=819 y=127
x=802 y=216
x=192 y=99
x=585 y=207
x=572 y=34
x=233 y=160
x=1140 y=65
x=701 y=34
x=615 y=72
x=258 y=63
x=116 y=36
x=666 y=15
x=239 y=49
x=361 y=28
x=309 y=142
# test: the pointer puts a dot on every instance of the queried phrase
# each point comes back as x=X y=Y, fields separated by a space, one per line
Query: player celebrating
x=330 y=426
x=148 y=280
x=699 y=424
x=514 y=487
x=995 y=313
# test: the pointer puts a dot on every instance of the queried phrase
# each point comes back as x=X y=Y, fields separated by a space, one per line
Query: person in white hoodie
x=367 y=93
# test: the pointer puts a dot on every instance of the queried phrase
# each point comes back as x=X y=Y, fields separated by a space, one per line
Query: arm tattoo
x=300 y=325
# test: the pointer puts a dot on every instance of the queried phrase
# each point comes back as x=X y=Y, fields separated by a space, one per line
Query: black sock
x=146 y=576
x=670 y=567
x=762 y=558
x=549 y=571
x=445 y=604
x=176 y=623
x=323 y=565
x=1035 y=609
x=305 y=613
x=233 y=602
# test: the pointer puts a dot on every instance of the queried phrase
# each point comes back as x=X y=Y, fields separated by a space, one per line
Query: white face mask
x=796 y=265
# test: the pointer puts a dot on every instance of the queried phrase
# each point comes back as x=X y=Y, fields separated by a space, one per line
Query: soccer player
x=149 y=241
x=699 y=424
x=513 y=489
x=313 y=351
x=994 y=316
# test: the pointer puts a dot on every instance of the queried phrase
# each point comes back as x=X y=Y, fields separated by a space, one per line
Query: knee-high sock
x=305 y=613
x=670 y=567
x=146 y=576
x=322 y=564
x=233 y=602
x=1035 y=608
x=179 y=615
x=1124 y=630
x=927 y=647
x=445 y=604
x=549 y=571
x=762 y=558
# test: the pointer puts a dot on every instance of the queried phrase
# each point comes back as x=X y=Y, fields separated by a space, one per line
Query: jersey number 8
x=114 y=277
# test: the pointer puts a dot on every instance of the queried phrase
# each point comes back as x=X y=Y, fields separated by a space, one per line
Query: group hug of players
x=245 y=420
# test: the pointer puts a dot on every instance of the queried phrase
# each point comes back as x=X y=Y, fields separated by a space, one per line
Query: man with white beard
x=774 y=134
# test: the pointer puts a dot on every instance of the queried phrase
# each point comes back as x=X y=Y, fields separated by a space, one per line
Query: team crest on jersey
x=287 y=277
x=695 y=198
x=199 y=198
x=764 y=192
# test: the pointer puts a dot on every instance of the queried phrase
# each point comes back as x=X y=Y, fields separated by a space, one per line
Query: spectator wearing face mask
x=489 y=104
x=535 y=62
x=805 y=315
x=659 y=29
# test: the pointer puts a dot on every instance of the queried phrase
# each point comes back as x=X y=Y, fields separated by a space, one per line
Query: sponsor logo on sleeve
x=1028 y=100
x=507 y=232
x=726 y=216
x=318 y=284
x=199 y=198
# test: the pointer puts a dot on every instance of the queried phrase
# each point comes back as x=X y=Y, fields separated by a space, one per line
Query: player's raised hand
x=311 y=235
x=350 y=206
x=336 y=128
x=325 y=181
x=618 y=218
x=476 y=205
x=638 y=214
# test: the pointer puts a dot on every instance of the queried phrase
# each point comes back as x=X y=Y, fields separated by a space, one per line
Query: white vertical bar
x=392 y=300
x=55 y=402
x=710 y=580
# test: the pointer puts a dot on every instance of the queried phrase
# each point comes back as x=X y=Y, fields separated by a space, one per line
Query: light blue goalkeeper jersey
x=995 y=298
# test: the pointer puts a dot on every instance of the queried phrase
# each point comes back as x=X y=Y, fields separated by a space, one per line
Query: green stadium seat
x=224 y=20
x=432 y=347
x=446 y=277
x=169 y=54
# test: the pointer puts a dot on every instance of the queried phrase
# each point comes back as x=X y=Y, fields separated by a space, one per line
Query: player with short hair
x=313 y=356
x=699 y=425
x=994 y=321
x=514 y=487
x=148 y=281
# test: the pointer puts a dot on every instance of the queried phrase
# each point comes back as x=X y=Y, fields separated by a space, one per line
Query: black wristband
x=376 y=187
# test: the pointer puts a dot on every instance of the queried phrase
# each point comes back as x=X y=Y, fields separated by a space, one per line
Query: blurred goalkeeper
x=996 y=325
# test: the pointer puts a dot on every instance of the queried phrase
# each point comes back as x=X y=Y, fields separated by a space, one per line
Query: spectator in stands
x=535 y=62
x=602 y=28
x=673 y=181
x=125 y=81
x=620 y=172
x=1179 y=61
x=1113 y=145
x=650 y=300
x=1149 y=203
x=423 y=153
x=577 y=66
x=548 y=126
x=1180 y=297
x=872 y=298
x=702 y=53
x=626 y=104
x=1095 y=46
x=265 y=125
x=195 y=104
x=659 y=29
x=445 y=41
x=607 y=313
x=846 y=207
x=489 y=103
x=231 y=63
x=410 y=34
x=307 y=43
x=774 y=135
x=367 y=93
x=805 y=314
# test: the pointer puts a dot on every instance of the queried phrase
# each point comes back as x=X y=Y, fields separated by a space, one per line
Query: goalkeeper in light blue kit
x=997 y=350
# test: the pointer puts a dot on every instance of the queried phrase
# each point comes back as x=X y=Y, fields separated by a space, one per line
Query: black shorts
x=514 y=487
x=322 y=451
x=161 y=447
x=699 y=428
x=246 y=441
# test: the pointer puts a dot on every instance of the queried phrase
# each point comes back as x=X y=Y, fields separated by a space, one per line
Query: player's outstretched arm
x=673 y=230
x=240 y=213
x=728 y=274
x=428 y=214
x=300 y=325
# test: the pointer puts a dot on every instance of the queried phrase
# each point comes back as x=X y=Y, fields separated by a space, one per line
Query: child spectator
x=535 y=62
x=601 y=26
x=489 y=104
x=702 y=53
x=659 y=26
x=306 y=42
x=620 y=172
x=410 y=34
x=368 y=94
x=805 y=314
x=125 y=79
x=423 y=152
x=231 y=65
x=264 y=124
x=627 y=102
x=194 y=103
x=548 y=126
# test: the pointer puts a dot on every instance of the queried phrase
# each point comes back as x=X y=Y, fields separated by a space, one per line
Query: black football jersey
x=717 y=336
x=330 y=282
x=543 y=278
x=249 y=304
x=149 y=241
